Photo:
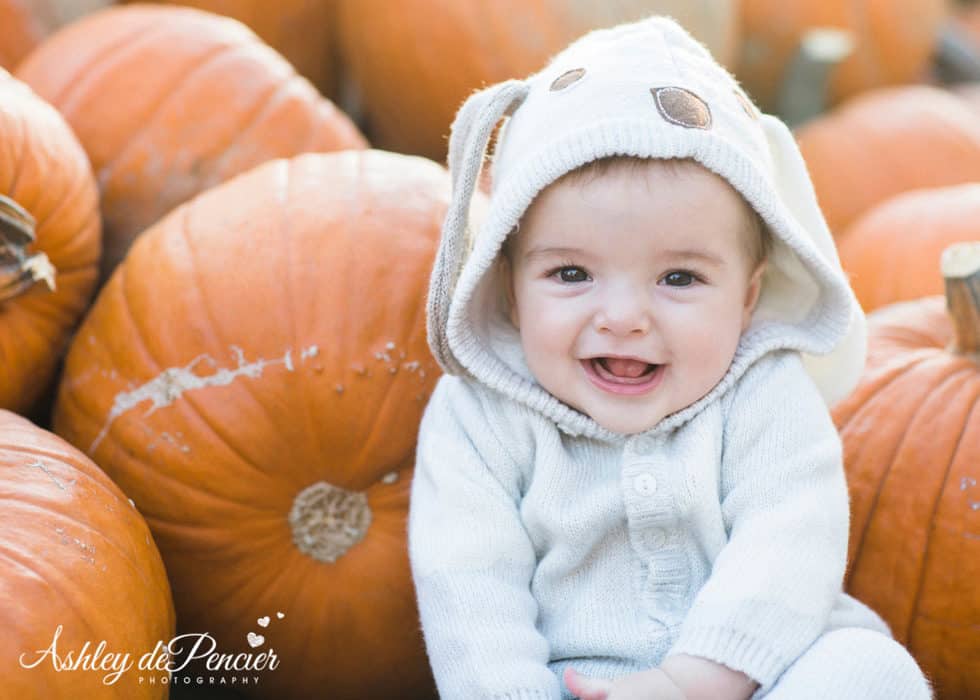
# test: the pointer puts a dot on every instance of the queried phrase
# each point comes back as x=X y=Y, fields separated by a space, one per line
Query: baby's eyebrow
x=683 y=254
x=703 y=256
x=552 y=250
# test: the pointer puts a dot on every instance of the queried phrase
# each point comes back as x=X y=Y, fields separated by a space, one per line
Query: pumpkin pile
x=250 y=379
x=911 y=432
x=173 y=66
x=892 y=43
x=265 y=421
x=410 y=64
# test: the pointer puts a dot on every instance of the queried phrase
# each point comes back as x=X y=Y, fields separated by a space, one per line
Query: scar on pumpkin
x=170 y=384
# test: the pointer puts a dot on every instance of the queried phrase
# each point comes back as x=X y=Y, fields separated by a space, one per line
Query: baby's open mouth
x=623 y=370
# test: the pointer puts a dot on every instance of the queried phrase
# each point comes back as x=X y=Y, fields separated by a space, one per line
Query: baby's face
x=630 y=289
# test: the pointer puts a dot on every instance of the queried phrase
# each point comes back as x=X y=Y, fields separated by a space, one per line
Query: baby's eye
x=680 y=278
x=570 y=273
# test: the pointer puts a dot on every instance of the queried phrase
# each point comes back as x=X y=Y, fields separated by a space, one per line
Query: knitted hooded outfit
x=537 y=537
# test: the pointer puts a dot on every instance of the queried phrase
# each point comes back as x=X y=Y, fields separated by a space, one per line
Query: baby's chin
x=619 y=421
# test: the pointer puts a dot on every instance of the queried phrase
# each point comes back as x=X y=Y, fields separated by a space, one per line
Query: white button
x=655 y=539
x=645 y=484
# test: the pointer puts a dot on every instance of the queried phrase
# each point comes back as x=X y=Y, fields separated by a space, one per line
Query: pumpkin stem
x=961 y=270
x=18 y=270
x=804 y=91
x=956 y=57
x=327 y=520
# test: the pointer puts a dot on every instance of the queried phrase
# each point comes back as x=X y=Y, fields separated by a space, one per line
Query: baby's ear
x=752 y=293
x=507 y=282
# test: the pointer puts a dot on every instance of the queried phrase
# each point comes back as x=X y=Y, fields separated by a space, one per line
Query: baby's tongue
x=625 y=368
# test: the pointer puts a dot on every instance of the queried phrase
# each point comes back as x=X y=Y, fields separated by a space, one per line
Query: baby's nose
x=623 y=316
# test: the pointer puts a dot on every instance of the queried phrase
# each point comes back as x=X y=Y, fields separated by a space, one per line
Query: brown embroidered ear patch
x=682 y=107
x=747 y=105
x=567 y=78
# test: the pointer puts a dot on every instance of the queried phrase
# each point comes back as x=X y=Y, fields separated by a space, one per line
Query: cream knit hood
x=648 y=90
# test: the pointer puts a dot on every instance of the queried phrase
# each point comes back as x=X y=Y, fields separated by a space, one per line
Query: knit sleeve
x=785 y=507
x=471 y=558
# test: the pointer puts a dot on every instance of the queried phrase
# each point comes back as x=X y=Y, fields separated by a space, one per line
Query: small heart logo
x=255 y=640
x=263 y=621
x=280 y=615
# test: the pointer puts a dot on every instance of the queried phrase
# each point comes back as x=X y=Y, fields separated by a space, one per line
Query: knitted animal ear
x=836 y=373
x=468 y=141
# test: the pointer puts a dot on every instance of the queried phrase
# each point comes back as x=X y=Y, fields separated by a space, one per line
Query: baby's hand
x=645 y=685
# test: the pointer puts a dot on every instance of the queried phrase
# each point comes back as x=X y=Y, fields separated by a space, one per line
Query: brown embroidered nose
x=567 y=78
x=682 y=107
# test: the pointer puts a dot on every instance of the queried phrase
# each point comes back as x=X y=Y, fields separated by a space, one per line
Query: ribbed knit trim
x=818 y=333
x=754 y=657
x=525 y=694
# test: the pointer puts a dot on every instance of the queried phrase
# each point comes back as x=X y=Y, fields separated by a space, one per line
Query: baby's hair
x=760 y=239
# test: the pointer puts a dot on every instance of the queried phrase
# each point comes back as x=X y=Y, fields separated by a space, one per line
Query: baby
x=627 y=483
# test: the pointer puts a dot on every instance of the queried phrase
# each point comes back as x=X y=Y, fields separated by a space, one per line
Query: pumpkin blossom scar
x=171 y=384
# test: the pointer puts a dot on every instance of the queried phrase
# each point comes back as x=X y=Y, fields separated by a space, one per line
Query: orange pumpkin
x=891 y=253
x=77 y=557
x=302 y=31
x=49 y=241
x=412 y=63
x=25 y=23
x=169 y=101
x=264 y=417
x=886 y=142
x=911 y=433
x=893 y=42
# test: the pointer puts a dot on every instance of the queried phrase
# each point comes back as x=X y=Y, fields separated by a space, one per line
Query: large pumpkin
x=892 y=252
x=49 y=241
x=169 y=101
x=911 y=432
x=302 y=31
x=413 y=62
x=254 y=374
x=77 y=557
x=893 y=42
x=886 y=142
x=25 y=23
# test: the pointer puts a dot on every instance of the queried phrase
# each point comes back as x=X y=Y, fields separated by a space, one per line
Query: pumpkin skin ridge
x=901 y=372
x=45 y=575
x=117 y=51
x=250 y=462
x=54 y=456
x=939 y=497
x=954 y=370
x=921 y=575
x=51 y=576
x=285 y=232
x=75 y=192
x=157 y=369
x=21 y=161
x=81 y=525
x=264 y=106
x=192 y=410
x=285 y=168
x=892 y=367
x=171 y=92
